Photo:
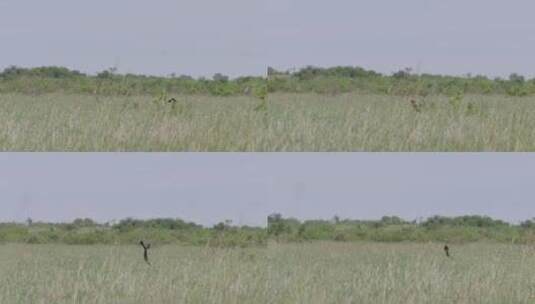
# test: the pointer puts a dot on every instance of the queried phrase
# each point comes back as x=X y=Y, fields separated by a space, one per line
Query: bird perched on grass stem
x=416 y=106
x=145 y=253
x=447 y=250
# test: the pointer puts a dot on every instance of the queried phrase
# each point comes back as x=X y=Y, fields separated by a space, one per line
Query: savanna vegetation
x=281 y=122
x=312 y=109
x=346 y=79
x=318 y=272
x=390 y=260
x=334 y=80
x=283 y=230
x=46 y=80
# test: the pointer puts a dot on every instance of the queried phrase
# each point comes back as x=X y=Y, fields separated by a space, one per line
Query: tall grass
x=285 y=122
x=299 y=273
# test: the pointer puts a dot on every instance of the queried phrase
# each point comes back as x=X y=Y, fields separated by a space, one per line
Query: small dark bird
x=146 y=249
x=172 y=100
x=416 y=106
x=447 y=250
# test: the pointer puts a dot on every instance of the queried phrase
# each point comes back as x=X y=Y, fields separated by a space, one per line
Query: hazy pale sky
x=239 y=37
x=492 y=37
x=160 y=37
x=211 y=187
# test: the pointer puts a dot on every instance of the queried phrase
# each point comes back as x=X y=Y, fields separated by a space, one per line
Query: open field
x=290 y=122
x=320 y=272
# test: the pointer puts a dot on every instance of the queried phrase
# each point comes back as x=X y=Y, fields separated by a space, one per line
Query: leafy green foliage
x=340 y=79
x=108 y=82
x=170 y=231
x=333 y=80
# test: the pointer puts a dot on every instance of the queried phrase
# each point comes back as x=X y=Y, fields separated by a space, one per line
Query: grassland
x=298 y=273
x=288 y=122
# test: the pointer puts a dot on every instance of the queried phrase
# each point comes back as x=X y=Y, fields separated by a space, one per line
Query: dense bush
x=333 y=80
x=336 y=80
x=58 y=79
x=395 y=229
x=224 y=234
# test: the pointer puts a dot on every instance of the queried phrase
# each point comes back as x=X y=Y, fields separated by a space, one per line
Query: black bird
x=417 y=107
x=146 y=249
x=447 y=250
x=172 y=100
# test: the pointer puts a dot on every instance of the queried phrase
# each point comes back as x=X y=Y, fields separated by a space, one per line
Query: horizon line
x=289 y=70
x=416 y=221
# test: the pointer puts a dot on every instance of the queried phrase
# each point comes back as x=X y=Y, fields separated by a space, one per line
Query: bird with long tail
x=145 y=251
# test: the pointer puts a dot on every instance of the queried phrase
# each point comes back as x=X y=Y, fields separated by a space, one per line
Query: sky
x=243 y=37
x=159 y=37
x=491 y=37
x=246 y=187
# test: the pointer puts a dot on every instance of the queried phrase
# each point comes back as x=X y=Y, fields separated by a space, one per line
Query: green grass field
x=289 y=122
x=320 y=272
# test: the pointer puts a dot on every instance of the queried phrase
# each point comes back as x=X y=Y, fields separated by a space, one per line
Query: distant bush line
x=53 y=79
x=310 y=79
x=280 y=229
x=345 y=79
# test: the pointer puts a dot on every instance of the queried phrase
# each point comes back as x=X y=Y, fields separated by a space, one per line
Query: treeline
x=53 y=79
x=395 y=229
x=130 y=231
x=344 y=79
x=310 y=79
x=280 y=229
